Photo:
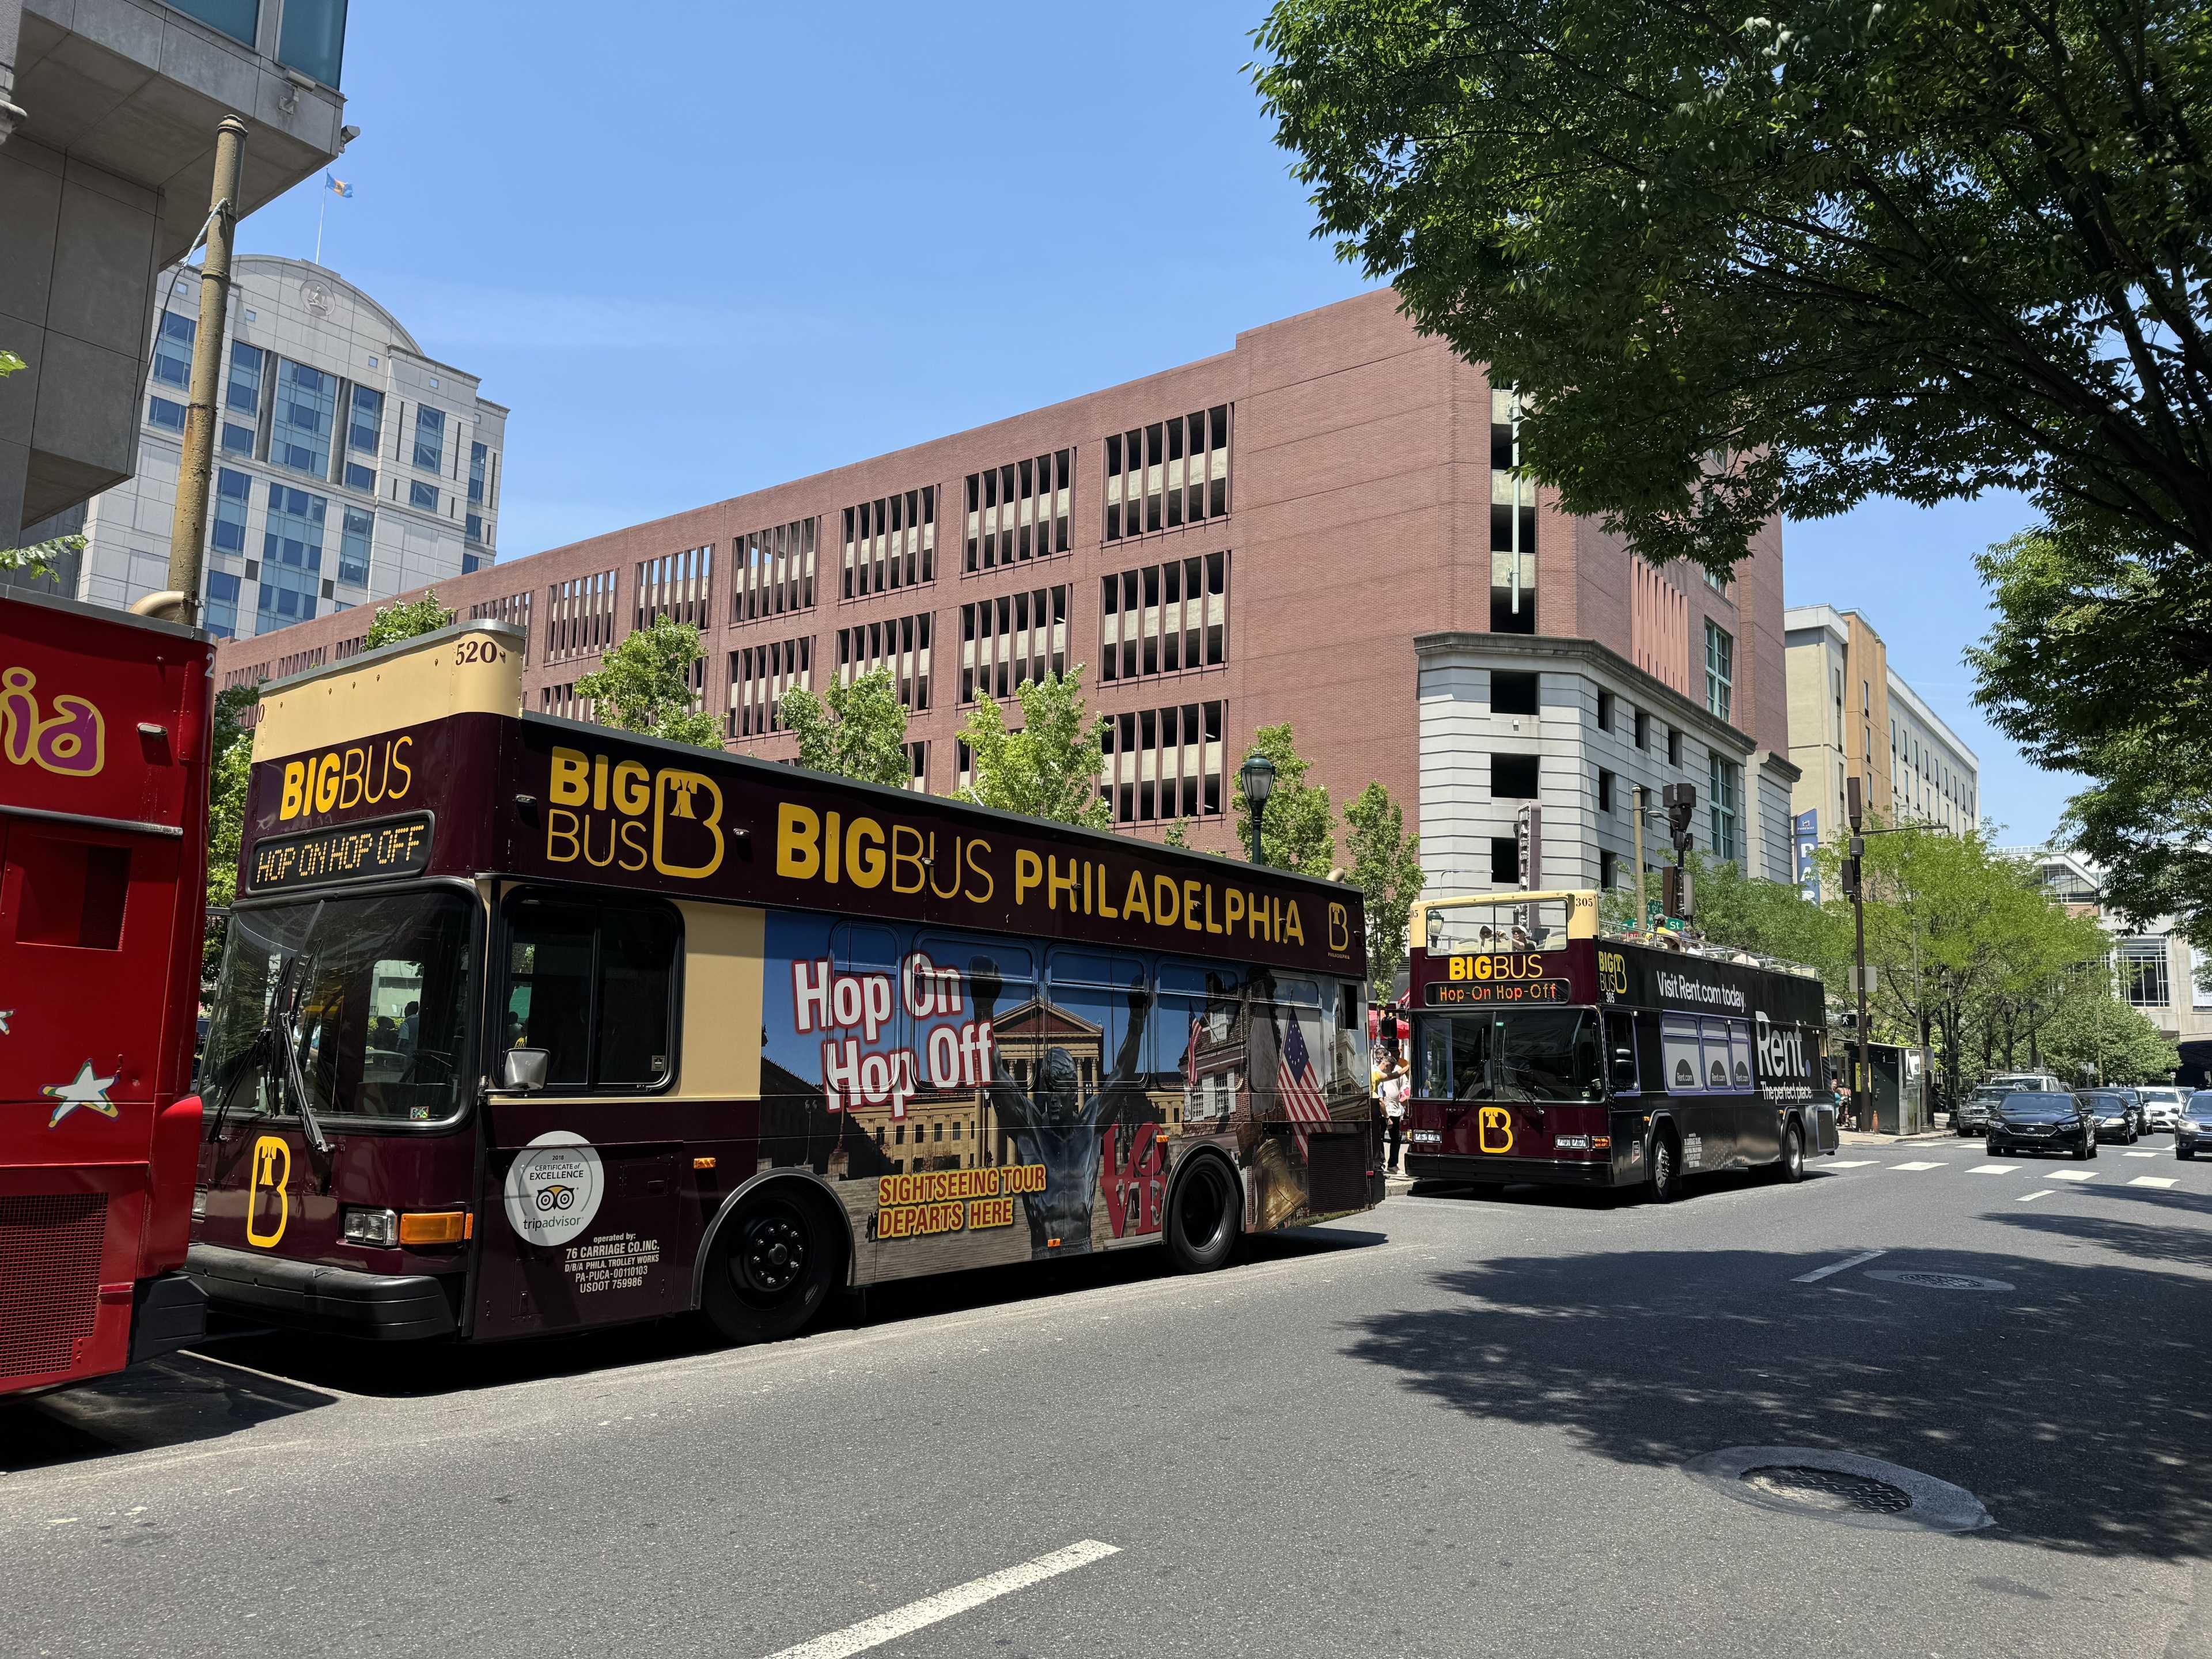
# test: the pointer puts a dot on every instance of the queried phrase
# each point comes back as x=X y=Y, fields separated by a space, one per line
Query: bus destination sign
x=1490 y=994
x=345 y=852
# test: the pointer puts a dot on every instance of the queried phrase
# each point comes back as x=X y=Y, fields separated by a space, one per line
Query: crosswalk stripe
x=2138 y=1154
x=1994 y=1169
x=2030 y=1198
x=2072 y=1174
x=1916 y=1166
x=2152 y=1180
x=1852 y=1164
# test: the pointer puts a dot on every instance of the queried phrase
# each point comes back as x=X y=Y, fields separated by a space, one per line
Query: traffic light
x=1678 y=892
x=1682 y=803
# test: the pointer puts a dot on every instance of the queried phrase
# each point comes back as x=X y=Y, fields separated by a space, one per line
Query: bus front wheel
x=774 y=1263
x=1205 y=1213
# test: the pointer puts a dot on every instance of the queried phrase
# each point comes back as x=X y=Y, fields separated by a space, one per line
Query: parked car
x=2192 y=1134
x=2042 y=1120
x=2161 y=1106
x=2015 y=1082
x=1971 y=1116
x=2113 y=1111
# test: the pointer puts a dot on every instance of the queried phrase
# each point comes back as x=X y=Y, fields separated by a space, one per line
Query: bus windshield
x=1520 y=1054
x=377 y=990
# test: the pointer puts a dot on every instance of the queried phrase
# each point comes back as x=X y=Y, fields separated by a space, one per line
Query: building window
x=773 y=571
x=172 y=349
x=890 y=542
x=424 y=495
x=579 y=617
x=1164 y=618
x=1513 y=777
x=1172 y=472
x=473 y=526
x=1011 y=639
x=1608 y=867
x=676 y=586
x=307 y=407
x=365 y=420
x=357 y=537
x=1161 y=764
x=1720 y=669
x=1605 y=711
x=479 y=464
x=166 y=412
x=1504 y=860
x=311 y=38
x=1604 y=791
x=1512 y=533
x=562 y=703
x=233 y=493
x=1019 y=511
x=471 y=564
x=514 y=609
x=244 y=394
x=1643 y=730
x=917 y=756
x=1512 y=693
x=220 y=617
x=1673 y=748
x=2142 y=973
x=759 y=676
x=899 y=644
x=429 y=438
x=237 y=440
x=294 y=537
x=1727 y=801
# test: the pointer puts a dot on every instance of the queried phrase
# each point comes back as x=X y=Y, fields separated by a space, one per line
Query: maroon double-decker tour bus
x=1544 y=1051
x=525 y=1025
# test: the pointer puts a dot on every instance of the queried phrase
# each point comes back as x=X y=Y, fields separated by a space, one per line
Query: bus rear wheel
x=1791 y=1168
x=1666 y=1180
x=1205 y=1214
x=774 y=1263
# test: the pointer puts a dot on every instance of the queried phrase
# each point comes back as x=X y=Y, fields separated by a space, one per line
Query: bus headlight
x=370 y=1227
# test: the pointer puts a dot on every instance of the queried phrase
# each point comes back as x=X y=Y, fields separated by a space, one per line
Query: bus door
x=582 y=1216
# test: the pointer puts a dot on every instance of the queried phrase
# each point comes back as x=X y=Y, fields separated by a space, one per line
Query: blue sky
x=736 y=245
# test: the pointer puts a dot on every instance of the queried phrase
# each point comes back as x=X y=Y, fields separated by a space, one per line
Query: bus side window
x=1620 y=1040
x=591 y=985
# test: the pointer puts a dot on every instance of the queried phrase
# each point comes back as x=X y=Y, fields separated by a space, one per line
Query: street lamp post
x=1855 y=886
x=1258 y=776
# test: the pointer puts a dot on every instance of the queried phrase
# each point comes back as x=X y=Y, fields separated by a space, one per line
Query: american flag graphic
x=1190 y=1055
x=1300 y=1090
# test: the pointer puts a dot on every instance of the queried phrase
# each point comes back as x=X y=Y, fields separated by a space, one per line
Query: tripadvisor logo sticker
x=554 y=1188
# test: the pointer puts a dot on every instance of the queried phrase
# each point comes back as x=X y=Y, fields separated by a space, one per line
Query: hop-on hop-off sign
x=345 y=852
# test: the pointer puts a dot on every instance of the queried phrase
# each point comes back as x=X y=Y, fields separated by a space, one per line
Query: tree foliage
x=1300 y=831
x=1386 y=866
x=408 y=619
x=645 y=686
x=1749 y=264
x=2092 y=1035
x=857 y=732
x=230 y=769
x=1048 y=769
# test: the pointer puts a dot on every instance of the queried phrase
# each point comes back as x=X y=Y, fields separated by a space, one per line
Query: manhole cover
x=1816 y=1484
x=1827 y=1492
x=1927 y=1281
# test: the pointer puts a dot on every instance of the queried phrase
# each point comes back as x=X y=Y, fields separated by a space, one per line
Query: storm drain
x=1929 y=1281
x=1844 y=1488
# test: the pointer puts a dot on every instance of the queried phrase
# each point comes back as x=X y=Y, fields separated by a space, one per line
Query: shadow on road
x=167 y=1402
x=2074 y=1405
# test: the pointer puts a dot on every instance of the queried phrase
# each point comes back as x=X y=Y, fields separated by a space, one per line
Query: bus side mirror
x=525 y=1069
x=1624 y=1068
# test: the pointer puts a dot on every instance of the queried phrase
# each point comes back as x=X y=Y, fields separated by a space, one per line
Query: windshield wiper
x=288 y=1040
x=256 y=1049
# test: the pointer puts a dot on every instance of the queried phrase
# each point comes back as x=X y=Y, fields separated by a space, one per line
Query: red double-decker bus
x=104 y=734
x=526 y=1026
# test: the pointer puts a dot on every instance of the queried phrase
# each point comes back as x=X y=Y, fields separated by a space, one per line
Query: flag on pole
x=336 y=186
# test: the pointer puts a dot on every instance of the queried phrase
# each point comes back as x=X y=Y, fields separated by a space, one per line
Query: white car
x=2026 y=1083
x=2162 y=1107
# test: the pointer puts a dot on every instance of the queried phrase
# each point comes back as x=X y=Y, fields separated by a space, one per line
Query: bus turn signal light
x=702 y=1162
x=1601 y=1143
x=436 y=1227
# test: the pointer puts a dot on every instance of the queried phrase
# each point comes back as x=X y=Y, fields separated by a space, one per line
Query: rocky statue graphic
x=1055 y=1126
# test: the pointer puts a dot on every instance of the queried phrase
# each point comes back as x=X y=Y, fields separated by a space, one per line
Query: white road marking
x=1851 y=1164
x=934 y=1609
x=1995 y=1169
x=1918 y=1166
x=2140 y=1154
x=1819 y=1273
x=2030 y=1198
x=2152 y=1180
x=2071 y=1175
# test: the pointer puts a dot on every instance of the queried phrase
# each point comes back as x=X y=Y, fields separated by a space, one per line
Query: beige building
x=1852 y=715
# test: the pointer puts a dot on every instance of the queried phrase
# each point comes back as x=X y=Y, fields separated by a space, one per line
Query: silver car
x=2162 y=1107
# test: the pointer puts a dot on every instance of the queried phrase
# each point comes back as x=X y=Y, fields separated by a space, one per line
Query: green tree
x=2092 y=1035
x=230 y=769
x=408 y=619
x=1178 y=835
x=1048 y=769
x=1300 y=829
x=857 y=732
x=1770 y=918
x=1386 y=866
x=645 y=684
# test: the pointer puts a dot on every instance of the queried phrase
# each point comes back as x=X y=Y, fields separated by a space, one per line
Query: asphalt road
x=1456 y=1427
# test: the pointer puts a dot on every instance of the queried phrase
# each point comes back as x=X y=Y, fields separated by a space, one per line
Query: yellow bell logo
x=272 y=1167
x=1494 y=1125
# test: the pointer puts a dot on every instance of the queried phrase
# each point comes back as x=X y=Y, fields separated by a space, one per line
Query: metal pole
x=188 y=526
x=1862 y=1080
x=1643 y=806
x=1259 y=811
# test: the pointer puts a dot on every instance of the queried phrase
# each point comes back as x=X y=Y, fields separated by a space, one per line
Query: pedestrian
x=1393 y=1092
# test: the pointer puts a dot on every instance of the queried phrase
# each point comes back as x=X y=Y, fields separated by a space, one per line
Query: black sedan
x=2114 y=1114
x=1971 y=1116
x=2192 y=1130
x=2042 y=1123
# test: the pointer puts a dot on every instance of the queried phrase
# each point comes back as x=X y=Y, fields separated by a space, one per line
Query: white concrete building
x=350 y=465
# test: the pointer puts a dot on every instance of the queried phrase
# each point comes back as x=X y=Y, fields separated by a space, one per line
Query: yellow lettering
x=295 y=788
x=1190 y=916
x=326 y=784
x=1293 y=933
x=1212 y=925
x=1104 y=910
x=1056 y=885
x=599 y=783
x=406 y=772
x=953 y=892
x=352 y=769
x=562 y=825
x=633 y=788
x=832 y=847
x=567 y=785
x=1134 y=902
x=1232 y=908
x=979 y=845
x=864 y=853
x=632 y=837
x=1028 y=872
x=903 y=834
x=797 y=841
x=1167 y=902
x=1340 y=927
